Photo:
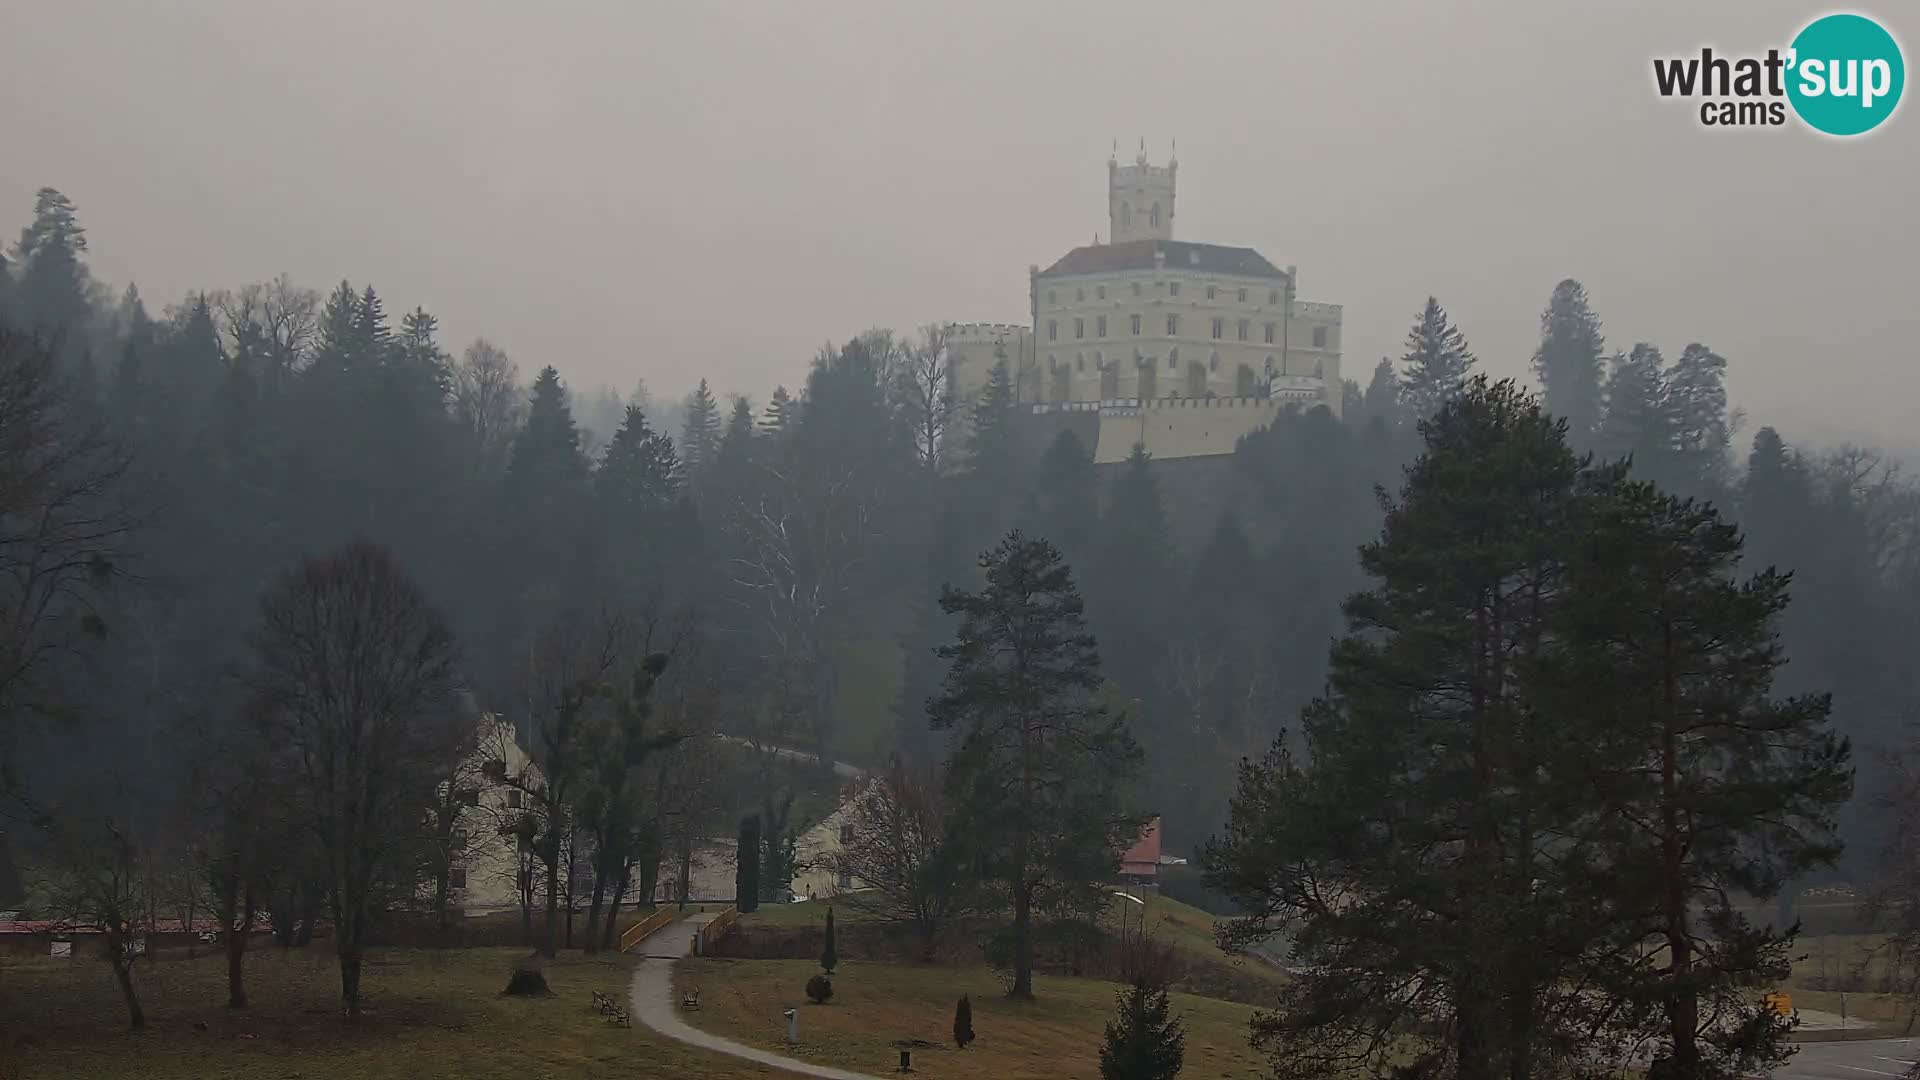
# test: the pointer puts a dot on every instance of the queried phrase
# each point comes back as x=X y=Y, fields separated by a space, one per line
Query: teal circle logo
x=1845 y=74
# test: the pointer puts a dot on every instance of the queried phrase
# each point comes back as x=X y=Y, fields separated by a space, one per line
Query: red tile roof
x=1143 y=858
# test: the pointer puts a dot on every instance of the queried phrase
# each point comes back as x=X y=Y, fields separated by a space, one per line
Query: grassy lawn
x=430 y=1014
x=876 y=1006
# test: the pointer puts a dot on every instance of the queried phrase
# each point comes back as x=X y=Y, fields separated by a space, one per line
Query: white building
x=1145 y=328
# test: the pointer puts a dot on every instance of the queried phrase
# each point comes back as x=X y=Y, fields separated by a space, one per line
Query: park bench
x=690 y=999
x=602 y=1000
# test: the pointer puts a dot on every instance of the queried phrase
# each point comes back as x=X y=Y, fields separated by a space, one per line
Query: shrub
x=820 y=989
x=963 y=1023
x=528 y=982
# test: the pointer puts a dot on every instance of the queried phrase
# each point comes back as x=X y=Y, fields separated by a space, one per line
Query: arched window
x=1173 y=359
x=1154 y=215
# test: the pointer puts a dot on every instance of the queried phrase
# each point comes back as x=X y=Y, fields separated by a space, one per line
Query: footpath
x=651 y=997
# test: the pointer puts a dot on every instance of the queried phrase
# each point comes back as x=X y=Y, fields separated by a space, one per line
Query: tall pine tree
x=1437 y=362
x=1568 y=360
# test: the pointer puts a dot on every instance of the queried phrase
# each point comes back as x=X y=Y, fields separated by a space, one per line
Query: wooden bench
x=690 y=999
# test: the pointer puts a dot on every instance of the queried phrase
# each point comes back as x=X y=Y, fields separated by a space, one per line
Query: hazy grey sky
x=672 y=190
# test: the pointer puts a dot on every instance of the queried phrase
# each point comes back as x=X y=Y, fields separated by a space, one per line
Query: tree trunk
x=123 y=974
x=229 y=913
x=349 y=974
x=686 y=869
x=1683 y=1001
x=237 y=953
x=594 y=900
x=649 y=878
x=1022 y=940
x=613 y=902
x=550 y=946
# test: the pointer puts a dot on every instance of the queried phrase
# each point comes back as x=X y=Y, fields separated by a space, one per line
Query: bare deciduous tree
x=98 y=881
x=64 y=525
x=897 y=850
x=926 y=391
x=270 y=326
x=355 y=680
x=488 y=399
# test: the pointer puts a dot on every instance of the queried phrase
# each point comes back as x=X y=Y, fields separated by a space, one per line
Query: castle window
x=1079 y=361
x=1173 y=359
x=1154 y=215
x=1243 y=296
x=1126 y=217
x=1270 y=329
x=1080 y=295
x=1173 y=288
x=1213 y=362
x=1173 y=325
x=1100 y=292
x=1136 y=288
x=1051 y=298
x=1136 y=325
x=1219 y=327
x=1319 y=337
x=1053 y=330
x=1079 y=328
x=1273 y=296
x=1243 y=329
x=1210 y=292
x=1100 y=326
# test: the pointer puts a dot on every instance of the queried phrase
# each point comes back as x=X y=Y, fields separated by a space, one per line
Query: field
x=430 y=1014
x=877 y=1007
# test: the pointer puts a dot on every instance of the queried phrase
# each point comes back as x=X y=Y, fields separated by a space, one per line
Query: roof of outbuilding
x=1177 y=254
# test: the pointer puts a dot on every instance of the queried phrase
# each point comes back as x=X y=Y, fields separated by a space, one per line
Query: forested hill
x=803 y=534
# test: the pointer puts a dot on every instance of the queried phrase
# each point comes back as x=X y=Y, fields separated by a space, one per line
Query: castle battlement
x=983 y=332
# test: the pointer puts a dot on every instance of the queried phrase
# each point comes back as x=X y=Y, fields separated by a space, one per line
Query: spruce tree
x=1702 y=432
x=548 y=446
x=423 y=362
x=700 y=438
x=829 y=958
x=1568 y=360
x=1382 y=398
x=1065 y=504
x=638 y=479
x=1133 y=579
x=335 y=348
x=1637 y=422
x=52 y=291
x=962 y=1023
x=779 y=413
x=1144 y=1041
x=1437 y=362
x=1038 y=762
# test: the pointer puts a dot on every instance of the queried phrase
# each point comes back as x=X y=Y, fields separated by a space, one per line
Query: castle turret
x=1140 y=199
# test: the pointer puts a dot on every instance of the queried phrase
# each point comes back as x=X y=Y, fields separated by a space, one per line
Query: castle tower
x=1140 y=199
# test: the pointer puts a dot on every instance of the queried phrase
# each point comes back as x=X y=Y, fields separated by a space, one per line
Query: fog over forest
x=626 y=503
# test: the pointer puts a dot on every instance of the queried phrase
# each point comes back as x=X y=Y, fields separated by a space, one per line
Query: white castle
x=1182 y=347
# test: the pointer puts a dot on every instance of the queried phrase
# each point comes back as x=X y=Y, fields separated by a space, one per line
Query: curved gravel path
x=651 y=996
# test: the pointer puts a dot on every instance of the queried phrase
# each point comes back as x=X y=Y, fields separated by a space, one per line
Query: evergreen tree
x=1696 y=409
x=54 y=285
x=1425 y=795
x=1437 y=362
x=779 y=413
x=829 y=958
x=548 y=446
x=1638 y=422
x=1144 y=1041
x=1065 y=505
x=992 y=454
x=638 y=479
x=962 y=1023
x=336 y=349
x=372 y=337
x=746 y=869
x=1382 y=399
x=1568 y=360
x=1711 y=786
x=421 y=357
x=1037 y=761
x=700 y=438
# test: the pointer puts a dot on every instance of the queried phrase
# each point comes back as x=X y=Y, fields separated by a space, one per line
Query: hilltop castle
x=1183 y=347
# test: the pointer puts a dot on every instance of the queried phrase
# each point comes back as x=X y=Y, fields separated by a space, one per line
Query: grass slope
x=431 y=1014
x=876 y=1006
